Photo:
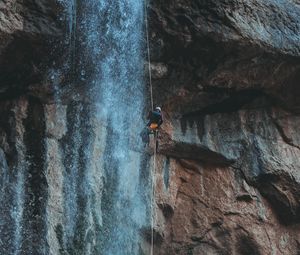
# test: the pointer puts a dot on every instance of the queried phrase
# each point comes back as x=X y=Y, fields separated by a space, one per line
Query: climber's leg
x=145 y=136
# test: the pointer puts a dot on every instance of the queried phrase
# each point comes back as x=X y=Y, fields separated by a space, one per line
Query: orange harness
x=153 y=126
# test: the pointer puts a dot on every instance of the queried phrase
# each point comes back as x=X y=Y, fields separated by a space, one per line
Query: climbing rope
x=148 y=52
x=153 y=211
x=153 y=216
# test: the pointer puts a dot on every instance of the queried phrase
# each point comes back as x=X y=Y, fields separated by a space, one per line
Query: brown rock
x=230 y=143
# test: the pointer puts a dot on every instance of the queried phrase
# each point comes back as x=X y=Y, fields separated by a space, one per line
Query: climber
x=154 y=122
x=155 y=119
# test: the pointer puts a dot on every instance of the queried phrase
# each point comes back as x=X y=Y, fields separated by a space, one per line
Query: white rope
x=153 y=214
x=148 y=52
x=153 y=209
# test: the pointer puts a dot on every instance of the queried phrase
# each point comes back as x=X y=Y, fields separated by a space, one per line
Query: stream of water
x=78 y=182
x=111 y=61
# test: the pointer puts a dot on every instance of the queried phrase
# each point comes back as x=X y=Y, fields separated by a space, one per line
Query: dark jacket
x=155 y=117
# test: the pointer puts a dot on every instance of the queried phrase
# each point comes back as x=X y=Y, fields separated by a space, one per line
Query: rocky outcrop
x=228 y=180
x=48 y=203
x=28 y=31
x=204 y=210
x=226 y=47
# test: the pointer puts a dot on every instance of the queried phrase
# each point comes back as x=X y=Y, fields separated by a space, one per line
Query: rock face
x=28 y=31
x=226 y=74
x=227 y=178
x=51 y=196
x=224 y=46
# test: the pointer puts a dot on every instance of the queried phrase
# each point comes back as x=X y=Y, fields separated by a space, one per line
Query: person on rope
x=155 y=119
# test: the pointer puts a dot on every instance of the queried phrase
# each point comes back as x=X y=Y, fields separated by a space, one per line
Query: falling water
x=109 y=63
x=121 y=91
x=83 y=188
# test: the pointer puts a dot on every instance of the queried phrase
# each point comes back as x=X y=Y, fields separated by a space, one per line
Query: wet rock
x=56 y=120
x=158 y=70
x=55 y=207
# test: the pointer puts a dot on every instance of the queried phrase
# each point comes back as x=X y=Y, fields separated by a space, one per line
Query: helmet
x=158 y=109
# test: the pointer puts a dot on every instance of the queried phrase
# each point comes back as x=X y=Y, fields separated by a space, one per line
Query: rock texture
x=228 y=175
x=227 y=178
x=28 y=31
x=204 y=210
x=49 y=205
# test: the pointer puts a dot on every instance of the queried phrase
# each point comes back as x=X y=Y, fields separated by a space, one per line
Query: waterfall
x=75 y=179
x=121 y=106
x=109 y=65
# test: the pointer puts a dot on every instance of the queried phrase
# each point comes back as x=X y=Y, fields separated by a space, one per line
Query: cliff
x=226 y=74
